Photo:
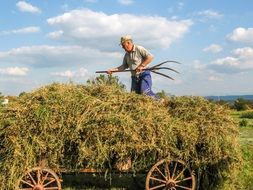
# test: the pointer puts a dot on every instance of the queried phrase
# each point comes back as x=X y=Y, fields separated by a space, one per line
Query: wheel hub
x=171 y=185
x=38 y=187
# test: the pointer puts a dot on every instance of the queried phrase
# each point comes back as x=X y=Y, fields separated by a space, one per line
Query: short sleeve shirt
x=133 y=59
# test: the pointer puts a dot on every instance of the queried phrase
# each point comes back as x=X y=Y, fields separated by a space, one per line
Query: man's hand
x=110 y=71
x=140 y=68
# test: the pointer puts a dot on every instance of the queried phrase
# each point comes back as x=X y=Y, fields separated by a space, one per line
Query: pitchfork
x=152 y=69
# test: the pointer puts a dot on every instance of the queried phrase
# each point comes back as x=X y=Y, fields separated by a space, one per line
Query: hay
x=210 y=138
x=76 y=126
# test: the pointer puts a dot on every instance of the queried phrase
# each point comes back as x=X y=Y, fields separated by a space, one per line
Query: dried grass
x=76 y=126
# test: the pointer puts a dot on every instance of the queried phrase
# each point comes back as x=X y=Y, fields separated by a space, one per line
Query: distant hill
x=230 y=97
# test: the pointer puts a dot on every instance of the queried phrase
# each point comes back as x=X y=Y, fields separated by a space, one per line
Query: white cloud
x=82 y=72
x=215 y=78
x=126 y=2
x=99 y=30
x=244 y=53
x=56 y=34
x=27 y=7
x=242 y=35
x=26 y=30
x=213 y=48
x=14 y=71
x=67 y=73
x=198 y=66
x=241 y=60
x=57 y=56
x=210 y=14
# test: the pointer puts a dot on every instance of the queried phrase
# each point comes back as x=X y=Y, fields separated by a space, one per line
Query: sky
x=46 y=41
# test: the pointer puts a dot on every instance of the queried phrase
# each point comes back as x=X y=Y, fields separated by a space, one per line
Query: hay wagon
x=164 y=174
x=114 y=132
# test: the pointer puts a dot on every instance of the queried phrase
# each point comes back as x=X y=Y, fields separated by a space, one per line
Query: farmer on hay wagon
x=136 y=58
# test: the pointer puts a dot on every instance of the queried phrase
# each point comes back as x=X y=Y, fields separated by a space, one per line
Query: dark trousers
x=142 y=84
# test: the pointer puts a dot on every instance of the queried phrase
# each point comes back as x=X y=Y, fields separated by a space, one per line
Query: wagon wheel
x=39 y=179
x=170 y=175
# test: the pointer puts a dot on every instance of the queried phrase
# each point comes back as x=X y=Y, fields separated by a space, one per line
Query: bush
x=243 y=123
x=1 y=99
x=248 y=115
x=241 y=104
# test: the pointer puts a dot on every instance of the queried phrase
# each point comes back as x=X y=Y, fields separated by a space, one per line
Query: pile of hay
x=76 y=126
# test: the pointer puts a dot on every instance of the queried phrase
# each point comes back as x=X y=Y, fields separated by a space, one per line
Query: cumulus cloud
x=241 y=60
x=210 y=14
x=213 y=48
x=26 y=30
x=100 y=30
x=56 y=34
x=126 y=2
x=27 y=7
x=45 y=56
x=198 y=66
x=242 y=35
x=14 y=71
x=82 y=72
x=215 y=78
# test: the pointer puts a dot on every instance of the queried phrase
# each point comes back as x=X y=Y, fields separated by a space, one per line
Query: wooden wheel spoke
x=185 y=179
x=31 y=178
x=157 y=179
x=180 y=173
x=27 y=183
x=167 y=170
x=170 y=174
x=158 y=186
x=53 y=180
x=174 y=170
x=38 y=176
x=160 y=173
x=44 y=178
x=183 y=187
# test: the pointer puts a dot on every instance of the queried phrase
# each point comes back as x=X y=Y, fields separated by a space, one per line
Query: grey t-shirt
x=133 y=59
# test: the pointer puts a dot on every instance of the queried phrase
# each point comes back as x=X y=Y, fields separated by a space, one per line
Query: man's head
x=127 y=43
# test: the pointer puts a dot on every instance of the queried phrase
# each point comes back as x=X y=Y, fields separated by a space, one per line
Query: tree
x=241 y=104
x=1 y=101
x=106 y=80
x=162 y=94
x=1 y=98
x=22 y=94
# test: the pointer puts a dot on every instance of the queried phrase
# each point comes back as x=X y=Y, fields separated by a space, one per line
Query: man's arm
x=120 y=68
x=145 y=63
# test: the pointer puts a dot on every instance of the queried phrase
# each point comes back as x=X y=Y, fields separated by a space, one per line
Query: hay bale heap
x=76 y=126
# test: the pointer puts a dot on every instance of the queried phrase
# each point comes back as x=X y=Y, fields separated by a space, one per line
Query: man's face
x=128 y=46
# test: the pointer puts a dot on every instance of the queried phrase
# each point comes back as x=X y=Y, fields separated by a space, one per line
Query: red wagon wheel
x=39 y=179
x=170 y=175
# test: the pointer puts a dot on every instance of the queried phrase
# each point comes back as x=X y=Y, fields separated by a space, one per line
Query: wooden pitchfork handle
x=155 y=67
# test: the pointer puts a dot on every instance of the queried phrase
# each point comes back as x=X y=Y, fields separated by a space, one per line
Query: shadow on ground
x=82 y=181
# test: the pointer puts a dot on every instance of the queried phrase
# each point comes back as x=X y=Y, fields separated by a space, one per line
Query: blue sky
x=45 y=41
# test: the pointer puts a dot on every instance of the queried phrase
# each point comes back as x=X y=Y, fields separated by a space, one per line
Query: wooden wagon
x=166 y=174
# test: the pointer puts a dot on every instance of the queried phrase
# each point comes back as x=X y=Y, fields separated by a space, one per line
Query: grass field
x=245 y=176
x=244 y=180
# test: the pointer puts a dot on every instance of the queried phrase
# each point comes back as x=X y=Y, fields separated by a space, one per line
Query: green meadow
x=245 y=176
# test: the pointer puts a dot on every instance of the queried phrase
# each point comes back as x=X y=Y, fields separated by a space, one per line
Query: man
x=137 y=59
